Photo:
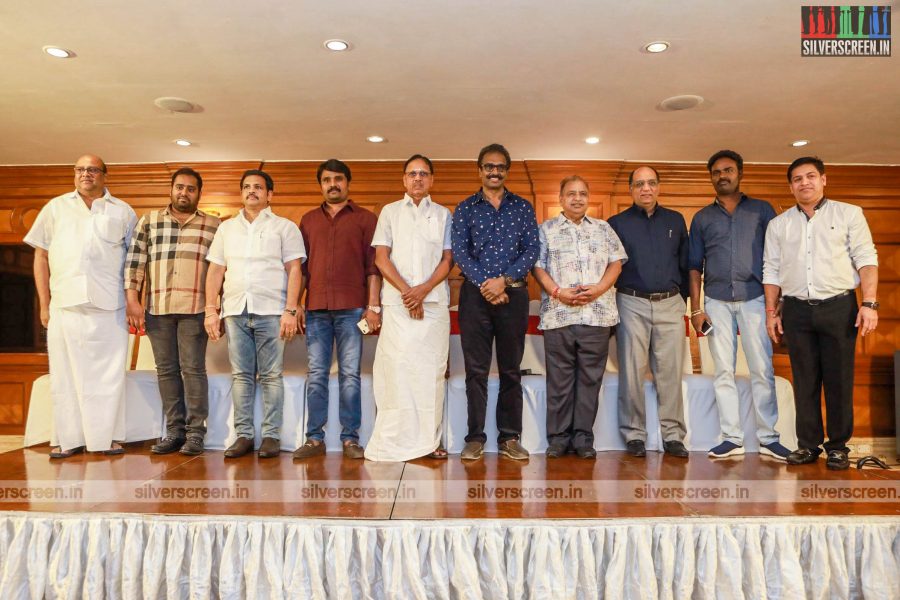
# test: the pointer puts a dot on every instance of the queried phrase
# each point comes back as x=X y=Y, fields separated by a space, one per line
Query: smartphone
x=363 y=326
x=706 y=328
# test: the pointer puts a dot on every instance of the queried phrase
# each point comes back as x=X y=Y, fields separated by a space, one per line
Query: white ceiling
x=441 y=77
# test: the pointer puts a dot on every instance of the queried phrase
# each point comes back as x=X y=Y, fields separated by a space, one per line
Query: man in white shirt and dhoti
x=80 y=240
x=412 y=251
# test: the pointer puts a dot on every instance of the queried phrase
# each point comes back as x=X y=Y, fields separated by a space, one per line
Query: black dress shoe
x=636 y=448
x=269 y=448
x=676 y=449
x=802 y=456
x=837 y=460
x=556 y=450
x=167 y=445
x=586 y=452
x=240 y=447
x=193 y=446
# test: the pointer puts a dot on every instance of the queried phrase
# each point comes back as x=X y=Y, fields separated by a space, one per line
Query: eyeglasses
x=488 y=167
x=90 y=170
x=420 y=174
x=639 y=184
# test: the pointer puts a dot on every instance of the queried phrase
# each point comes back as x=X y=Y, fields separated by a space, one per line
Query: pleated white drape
x=146 y=556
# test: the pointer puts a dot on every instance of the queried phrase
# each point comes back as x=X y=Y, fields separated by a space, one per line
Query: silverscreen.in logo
x=845 y=31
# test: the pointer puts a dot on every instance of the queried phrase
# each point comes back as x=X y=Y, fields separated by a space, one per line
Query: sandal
x=439 y=453
x=114 y=450
x=59 y=453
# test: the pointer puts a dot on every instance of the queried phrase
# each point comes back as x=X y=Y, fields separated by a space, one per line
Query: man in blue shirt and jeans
x=726 y=249
x=650 y=297
x=495 y=243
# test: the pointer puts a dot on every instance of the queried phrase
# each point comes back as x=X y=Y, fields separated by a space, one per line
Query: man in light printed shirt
x=257 y=254
x=579 y=261
x=168 y=255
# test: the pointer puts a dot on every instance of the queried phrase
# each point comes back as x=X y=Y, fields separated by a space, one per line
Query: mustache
x=334 y=189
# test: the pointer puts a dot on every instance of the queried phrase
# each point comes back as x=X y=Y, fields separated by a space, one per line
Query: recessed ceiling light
x=337 y=45
x=592 y=140
x=173 y=104
x=57 y=52
x=682 y=102
x=183 y=142
x=656 y=47
x=799 y=143
x=375 y=139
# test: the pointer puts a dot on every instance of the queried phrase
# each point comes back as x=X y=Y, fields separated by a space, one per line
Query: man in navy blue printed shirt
x=495 y=243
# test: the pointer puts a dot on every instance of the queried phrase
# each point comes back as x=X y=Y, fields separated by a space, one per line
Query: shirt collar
x=640 y=210
x=480 y=197
x=263 y=214
x=816 y=208
x=719 y=204
x=408 y=201
x=584 y=219
x=168 y=211
x=351 y=206
x=105 y=197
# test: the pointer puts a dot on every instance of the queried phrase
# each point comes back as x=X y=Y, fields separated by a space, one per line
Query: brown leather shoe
x=352 y=449
x=240 y=447
x=309 y=449
x=270 y=448
x=512 y=449
x=472 y=451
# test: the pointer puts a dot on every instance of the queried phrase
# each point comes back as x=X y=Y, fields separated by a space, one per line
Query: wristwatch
x=508 y=280
x=374 y=309
x=291 y=311
x=873 y=305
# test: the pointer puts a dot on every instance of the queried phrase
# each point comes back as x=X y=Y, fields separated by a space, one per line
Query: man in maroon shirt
x=342 y=287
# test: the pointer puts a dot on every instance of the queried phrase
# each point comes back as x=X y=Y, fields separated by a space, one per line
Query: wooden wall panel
x=683 y=186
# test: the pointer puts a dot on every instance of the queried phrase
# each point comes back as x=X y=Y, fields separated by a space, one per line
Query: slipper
x=66 y=454
x=113 y=451
x=439 y=453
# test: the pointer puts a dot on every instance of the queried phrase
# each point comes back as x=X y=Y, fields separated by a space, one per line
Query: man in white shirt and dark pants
x=816 y=254
x=257 y=254
x=80 y=240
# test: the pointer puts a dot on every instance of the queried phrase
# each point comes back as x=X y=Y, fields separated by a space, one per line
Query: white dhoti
x=409 y=383
x=87 y=348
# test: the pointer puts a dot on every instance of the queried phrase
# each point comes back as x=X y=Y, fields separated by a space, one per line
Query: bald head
x=90 y=176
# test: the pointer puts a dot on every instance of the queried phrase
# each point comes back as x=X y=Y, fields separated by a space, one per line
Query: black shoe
x=586 y=452
x=802 y=456
x=192 y=447
x=676 y=449
x=269 y=448
x=636 y=448
x=556 y=450
x=167 y=445
x=837 y=460
x=240 y=447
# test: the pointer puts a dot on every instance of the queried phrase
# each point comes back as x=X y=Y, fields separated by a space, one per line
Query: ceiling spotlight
x=173 y=104
x=183 y=142
x=337 y=45
x=375 y=139
x=799 y=143
x=58 y=52
x=592 y=140
x=656 y=47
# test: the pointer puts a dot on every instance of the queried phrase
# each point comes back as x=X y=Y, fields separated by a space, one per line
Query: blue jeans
x=323 y=329
x=255 y=346
x=750 y=317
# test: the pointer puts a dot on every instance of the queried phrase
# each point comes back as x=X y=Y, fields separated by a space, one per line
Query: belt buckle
x=656 y=296
x=813 y=302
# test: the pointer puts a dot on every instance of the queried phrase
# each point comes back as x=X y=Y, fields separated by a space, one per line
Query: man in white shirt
x=816 y=254
x=580 y=259
x=257 y=255
x=412 y=251
x=80 y=240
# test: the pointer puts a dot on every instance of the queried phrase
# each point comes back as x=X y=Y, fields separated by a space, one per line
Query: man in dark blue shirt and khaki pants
x=650 y=295
x=495 y=243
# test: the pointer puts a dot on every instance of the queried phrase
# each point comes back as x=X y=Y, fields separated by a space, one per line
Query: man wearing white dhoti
x=80 y=240
x=412 y=251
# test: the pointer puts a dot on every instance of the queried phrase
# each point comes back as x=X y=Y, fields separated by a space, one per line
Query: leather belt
x=814 y=302
x=516 y=284
x=651 y=296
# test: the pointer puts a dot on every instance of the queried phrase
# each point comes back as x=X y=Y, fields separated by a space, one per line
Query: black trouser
x=821 y=343
x=576 y=359
x=480 y=323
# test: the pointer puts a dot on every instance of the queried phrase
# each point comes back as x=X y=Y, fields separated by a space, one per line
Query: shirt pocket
x=109 y=229
x=270 y=245
x=430 y=231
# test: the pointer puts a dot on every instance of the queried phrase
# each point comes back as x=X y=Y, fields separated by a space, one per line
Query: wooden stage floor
x=444 y=489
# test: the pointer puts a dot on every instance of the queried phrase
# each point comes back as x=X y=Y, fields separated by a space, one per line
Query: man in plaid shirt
x=168 y=255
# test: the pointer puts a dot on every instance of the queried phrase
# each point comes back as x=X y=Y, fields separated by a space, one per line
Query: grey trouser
x=650 y=334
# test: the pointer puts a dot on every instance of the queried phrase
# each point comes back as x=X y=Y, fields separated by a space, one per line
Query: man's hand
x=415 y=296
x=866 y=320
x=373 y=319
x=417 y=313
x=569 y=296
x=773 y=327
x=301 y=320
x=134 y=314
x=45 y=317
x=213 y=326
x=698 y=320
x=492 y=288
x=501 y=299
x=288 y=326
x=587 y=294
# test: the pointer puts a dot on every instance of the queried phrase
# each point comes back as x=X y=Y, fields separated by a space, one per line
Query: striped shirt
x=172 y=258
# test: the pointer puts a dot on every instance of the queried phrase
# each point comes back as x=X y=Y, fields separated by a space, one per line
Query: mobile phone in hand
x=363 y=326
x=706 y=328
